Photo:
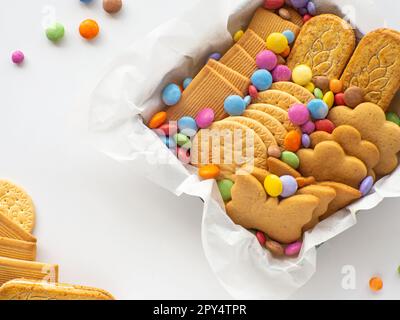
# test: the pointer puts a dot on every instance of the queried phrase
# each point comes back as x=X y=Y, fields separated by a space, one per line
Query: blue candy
x=171 y=94
x=247 y=100
x=187 y=126
x=290 y=36
x=262 y=79
x=186 y=82
x=366 y=185
x=216 y=56
x=318 y=109
x=311 y=8
x=86 y=1
x=168 y=141
x=234 y=105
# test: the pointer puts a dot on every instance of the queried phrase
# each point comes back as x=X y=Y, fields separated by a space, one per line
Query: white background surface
x=91 y=212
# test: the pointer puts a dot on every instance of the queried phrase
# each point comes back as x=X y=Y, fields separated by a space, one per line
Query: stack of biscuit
x=21 y=277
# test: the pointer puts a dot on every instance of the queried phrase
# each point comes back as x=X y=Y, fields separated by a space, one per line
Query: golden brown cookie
x=201 y=92
x=265 y=22
x=350 y=140
x=10 y=229
x=370 y=120
x=274 y=126
x=252 y=43
x=280 y=168
x=277 y=112
x=239 y=60
x=345 y=195
x=375 y=67
x=328 y=162
x=325 y=44
x=325 y=195
x=299 y=92
x=235 y=78
x=17 y=249
x=280 y=220
x=277 y=98
x=17 y=205
x=22 y=289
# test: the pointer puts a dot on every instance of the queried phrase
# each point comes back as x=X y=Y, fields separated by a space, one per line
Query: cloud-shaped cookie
x=328 y=162
x=280 y=220
x=350 y=140
x=370 y=120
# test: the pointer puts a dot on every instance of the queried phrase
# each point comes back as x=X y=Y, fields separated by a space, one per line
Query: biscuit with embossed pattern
x=277 y=98
x=295 y=90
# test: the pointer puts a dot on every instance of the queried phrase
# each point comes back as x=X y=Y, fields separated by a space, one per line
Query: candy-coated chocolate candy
x=336 y=86
x=171 y=94
x=238 y=35
x=324 y=125
x=353 y=96
x=273 y=185
x=310 y=87
x=183 y=155
x=182 y=141
x=209 y=171
x=312 y=10
x=376 y=284
x=284 y=14
x=318 y=109
x=393 y=117
x=112 y=6
x=157 y=120
x=261 y=79
x=307 y=17
x=281 y=73
x=275 y=248
x=281 y=60
x=318 y=93
x=321 y=82
x=298 y=114
x=89 y=29
x=266 y=59
x=273 y=4
x=292 y=141
x=225 y=187
x=55 y=32
x=168 y=141
x=17 y=57
x=291 y=159
x=216 y=56
x=234 y=105
x=366 y=185
x=261 y=238
x=305 y=140
x=169 y=128
x=205 y=118
x=329 y=99
x=274 y=151
x=247 y=100
x=302 y=12
x=187 y=126
x=286 y=53
x=299 y=3
x=293 y=249
x=289 y=186
x=302 y=75
x=277 y=42
x=290 y=36
x=186 y=82
x=308 y=127
x=253 y=92
x=339 y=99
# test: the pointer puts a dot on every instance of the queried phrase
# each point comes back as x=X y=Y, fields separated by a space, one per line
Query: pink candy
x=273 y=4
x=293 y=249
x=261 y=238
x=298 y=114
x=253 y=92
x=308 y=127
x=281 y=73
x=266 y=59
x=183 y=155
x=205 y=118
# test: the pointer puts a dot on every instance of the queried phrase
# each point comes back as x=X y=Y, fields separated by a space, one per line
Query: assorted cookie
x=291 y=130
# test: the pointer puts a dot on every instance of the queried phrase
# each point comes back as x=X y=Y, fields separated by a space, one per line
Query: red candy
x=339 y=99
x=253 y=92
x=261 y=238
x=307 y=17
x=273 y=4
x=324 y=125
x=169 y=128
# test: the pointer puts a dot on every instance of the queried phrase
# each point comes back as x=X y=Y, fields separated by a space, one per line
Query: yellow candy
x=310 y=87
x=273 y=185
x=277 y=43
x=302 y=75
x=329 y=99
x=238 y=35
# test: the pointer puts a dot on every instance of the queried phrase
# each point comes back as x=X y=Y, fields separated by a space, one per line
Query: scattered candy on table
x=318 y=109
x=261 y=238
x=292 y=141
x=302 y=75
x=274 y=151
x=112 y=6
x=266 y=59
x=336 y=86
x=290 y=36
x=308 y=127
x=205 y=118
x=171 y=94
x=353 y=96
x=324 y=125
x=305 y=140
x=17 y=57
x=293 y=249
x=55 y=32
x=183 y=155
x=376 y=284
x=393 y=117
x=298 y=114
x=273 y=185
x=275 y=248
x=284 y=14
x=247 y=100
x=234 y=105
x=339 y=99
x=216 y=56
x=253 y=92
x=277 y=42
x=157 y=120
x=187 y=126
x=281 y=73
x=310 y=87
x=366 y=185
x=329 y=99
x=186 y=82
x=238 y=35
x=225 y=187
x=318 y=93
x=289 y=186
x=182 y=141
x=262 y=79
x=273 y=4
x=321 y=82
x=291 y=159
x=89 y=29
x=209 y=171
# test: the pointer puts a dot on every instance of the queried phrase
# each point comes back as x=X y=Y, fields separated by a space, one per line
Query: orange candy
x=376 y=284
x=210 y=171
x=336 y=86
x=157 y=120
x=292 y=141
x=286 y=53
x=89 y=29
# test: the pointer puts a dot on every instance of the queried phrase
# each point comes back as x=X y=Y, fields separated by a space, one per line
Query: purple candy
x=293 y=249
x=305 y=140
x=266 y=59
x=298 y=114
x=302 y=11
x=308 y=127
x=216 y=56
x=311 y=8
x=299 y=3
x=289 y=186
x=17 y=57
x=281 y=73
x=366 y=185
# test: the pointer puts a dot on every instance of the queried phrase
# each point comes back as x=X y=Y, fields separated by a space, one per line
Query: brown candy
x=274 y=151
x=353 y=97
x=322 y=83
x=112 y=6
x=275 y=248
x=284 y=14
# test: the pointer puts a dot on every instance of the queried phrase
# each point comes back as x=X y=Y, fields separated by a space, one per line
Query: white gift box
x=131 y=90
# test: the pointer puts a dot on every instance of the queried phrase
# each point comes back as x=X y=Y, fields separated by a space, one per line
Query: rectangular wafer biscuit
x=295 y=17
x=239 y=60
x=266 y=22
x=239 y=81
x=9 y=229
x=21 y=289
x=17 y=249
x=207 y=90
x=252 y=43
x=16 y=269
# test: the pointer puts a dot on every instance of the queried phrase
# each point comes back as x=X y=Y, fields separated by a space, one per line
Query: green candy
x=182 y=141
x=225 y=187
x=55 y=32
x=393 y=117
x=318 y=93
x=291 y=159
